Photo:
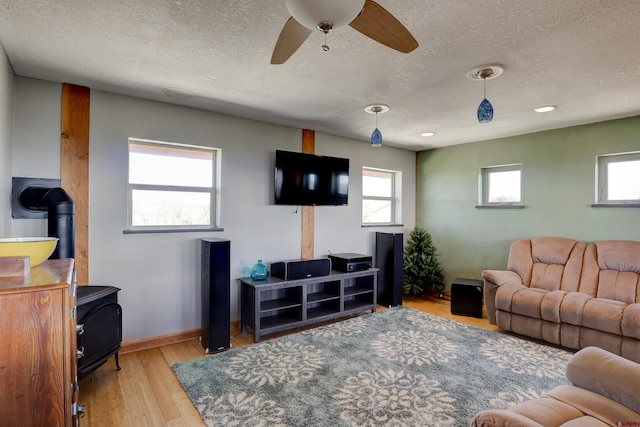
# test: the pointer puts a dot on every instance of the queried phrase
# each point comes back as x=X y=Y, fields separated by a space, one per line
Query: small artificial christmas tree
x=422 y=271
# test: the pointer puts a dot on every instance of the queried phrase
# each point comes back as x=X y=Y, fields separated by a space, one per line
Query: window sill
x=505 y=206
x=170 y=230
x=381 y=225
x=615 y=205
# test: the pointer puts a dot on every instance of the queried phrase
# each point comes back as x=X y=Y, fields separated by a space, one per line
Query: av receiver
x=350 y=262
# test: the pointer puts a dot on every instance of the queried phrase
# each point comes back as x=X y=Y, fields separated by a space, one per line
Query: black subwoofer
x=99 y=320
x=466 y=297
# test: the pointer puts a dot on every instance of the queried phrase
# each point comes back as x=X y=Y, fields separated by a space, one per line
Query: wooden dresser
x=38 y=346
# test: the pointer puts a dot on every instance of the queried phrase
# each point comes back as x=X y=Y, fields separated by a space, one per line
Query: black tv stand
x=275 y=305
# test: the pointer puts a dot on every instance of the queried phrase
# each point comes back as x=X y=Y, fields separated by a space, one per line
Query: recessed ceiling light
x=177 y=93
x=427 y=134
x=544 y=109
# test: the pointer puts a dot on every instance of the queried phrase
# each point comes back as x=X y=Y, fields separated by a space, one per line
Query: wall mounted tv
x=307 y=179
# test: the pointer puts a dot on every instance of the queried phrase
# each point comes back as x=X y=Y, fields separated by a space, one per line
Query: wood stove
x=99 y=320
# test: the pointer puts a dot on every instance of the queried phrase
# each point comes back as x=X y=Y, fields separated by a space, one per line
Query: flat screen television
x=307 y=179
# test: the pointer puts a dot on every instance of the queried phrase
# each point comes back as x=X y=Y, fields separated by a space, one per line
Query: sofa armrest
x=492 y=280
x=607 y=374
x=502 y=418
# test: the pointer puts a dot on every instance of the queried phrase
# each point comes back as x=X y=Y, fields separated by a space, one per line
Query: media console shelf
x=275 y=305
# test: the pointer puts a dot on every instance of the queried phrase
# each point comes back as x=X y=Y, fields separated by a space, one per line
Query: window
x=381 y=196
x=501 y=186
x=618 y=179
x=172 y=186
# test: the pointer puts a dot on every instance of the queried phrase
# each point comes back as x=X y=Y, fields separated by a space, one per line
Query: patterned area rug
x=397 y=367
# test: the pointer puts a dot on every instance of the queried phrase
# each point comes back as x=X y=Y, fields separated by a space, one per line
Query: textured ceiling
x=581 y=55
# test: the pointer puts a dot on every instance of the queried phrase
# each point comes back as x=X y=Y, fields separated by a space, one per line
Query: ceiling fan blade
x=291 y=37
x=377 y=23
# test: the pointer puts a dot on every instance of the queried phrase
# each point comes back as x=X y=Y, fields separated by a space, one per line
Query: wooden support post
x=308 y=212
x=74 y=168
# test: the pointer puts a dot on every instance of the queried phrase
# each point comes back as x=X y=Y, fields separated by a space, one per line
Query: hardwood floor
x=146 y=393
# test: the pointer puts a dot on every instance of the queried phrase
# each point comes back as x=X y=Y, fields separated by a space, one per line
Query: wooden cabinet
x=274 y=305
x=38 y=346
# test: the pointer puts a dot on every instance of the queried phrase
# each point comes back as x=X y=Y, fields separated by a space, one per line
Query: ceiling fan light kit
x=311 y=13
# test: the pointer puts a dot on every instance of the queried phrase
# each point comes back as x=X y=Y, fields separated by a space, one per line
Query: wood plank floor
x=146 y=393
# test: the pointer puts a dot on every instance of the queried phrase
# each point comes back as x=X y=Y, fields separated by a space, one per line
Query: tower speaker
x=390 y=261
x=216 y=282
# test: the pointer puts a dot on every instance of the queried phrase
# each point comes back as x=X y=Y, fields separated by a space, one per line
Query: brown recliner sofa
x=569 y=293
x=603 y=392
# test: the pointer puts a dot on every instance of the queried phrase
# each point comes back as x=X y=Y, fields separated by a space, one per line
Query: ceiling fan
x=365 y=16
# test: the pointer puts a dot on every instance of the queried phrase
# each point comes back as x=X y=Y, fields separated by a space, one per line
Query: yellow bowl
x=37 y=248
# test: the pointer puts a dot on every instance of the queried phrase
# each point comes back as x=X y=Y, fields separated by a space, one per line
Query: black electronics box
x=301 y=269
x=466 y=297
x=350 y=262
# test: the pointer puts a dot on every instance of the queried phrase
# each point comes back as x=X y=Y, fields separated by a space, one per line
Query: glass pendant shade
x=485 y=111
x=376 y=138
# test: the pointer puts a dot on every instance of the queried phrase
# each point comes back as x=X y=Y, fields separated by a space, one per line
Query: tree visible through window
x=501 y=185
x=380 y=196
x=171 y=186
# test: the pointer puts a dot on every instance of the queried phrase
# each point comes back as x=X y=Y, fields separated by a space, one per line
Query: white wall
x=6 y=131
x=159 y=274
x=36 y=140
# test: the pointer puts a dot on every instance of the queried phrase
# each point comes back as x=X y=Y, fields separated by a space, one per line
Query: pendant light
x=376 y=136
x=485 y=109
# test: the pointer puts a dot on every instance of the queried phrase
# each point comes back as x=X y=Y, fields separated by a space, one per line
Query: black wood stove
x=99 y=320
x=98 y=314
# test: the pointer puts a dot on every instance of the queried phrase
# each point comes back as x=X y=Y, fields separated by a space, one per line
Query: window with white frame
x=618 y=178
x=501 y=185
x=381 y=196
x=172 y=186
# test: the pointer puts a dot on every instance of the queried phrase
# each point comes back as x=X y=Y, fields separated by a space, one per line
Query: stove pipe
x=61 y=216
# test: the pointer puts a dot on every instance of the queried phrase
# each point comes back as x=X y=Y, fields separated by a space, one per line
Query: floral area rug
x=397 y=367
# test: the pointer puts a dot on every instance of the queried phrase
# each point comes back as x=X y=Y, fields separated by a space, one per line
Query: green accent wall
x=558 y=188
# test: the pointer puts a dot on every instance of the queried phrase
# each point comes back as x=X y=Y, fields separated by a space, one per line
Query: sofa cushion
x=604 y=315
x=500 y=418
x=572 y=307
x=528 y=302
x=611 y=269
x=557 y=263
x=505 y=293
x=618 y=285
x=547 y=262
x=631 y=321
x=547 y=276
x=619 y=255
x=592 y=406
x=547 y=411
x=550 y=308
